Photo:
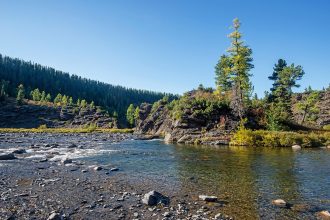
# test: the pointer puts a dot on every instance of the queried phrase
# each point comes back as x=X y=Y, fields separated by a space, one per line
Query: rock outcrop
x=191 y=128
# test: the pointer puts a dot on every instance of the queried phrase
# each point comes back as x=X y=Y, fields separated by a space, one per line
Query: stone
x=296 y=147
x=55 y=216
x=135 y=214
x=153 y=198
x=279 y=202
x=167 y=214
x=98 y=168
x=114 y=169
x=19 y=151
x=72 y=146
x=324 y=215
x=208 y=198
x=66 y=161
x=6 y=156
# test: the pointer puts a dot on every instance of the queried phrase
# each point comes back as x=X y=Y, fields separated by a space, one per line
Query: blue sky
x=169 y=46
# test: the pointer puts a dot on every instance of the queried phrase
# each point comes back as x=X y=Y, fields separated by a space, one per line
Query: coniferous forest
x=115 y=99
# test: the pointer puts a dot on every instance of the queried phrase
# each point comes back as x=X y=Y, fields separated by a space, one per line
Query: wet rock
x=208 y=198
x=72 y=146
x=66 y=161
x=324 y=215
x=114 y=169
x=167 y=214
x=55 y=216
x=6 y=156
x=153 y=198
x=19 y=151
x=279 y=203
x=98 y=168
x=296 y=147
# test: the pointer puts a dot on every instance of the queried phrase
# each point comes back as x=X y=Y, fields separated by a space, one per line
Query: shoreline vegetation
x=241 y=137
x=263 y=138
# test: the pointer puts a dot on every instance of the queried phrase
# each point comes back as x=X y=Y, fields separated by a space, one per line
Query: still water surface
x=246 y=179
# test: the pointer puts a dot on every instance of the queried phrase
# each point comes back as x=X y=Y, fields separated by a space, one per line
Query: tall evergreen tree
x=233 y=71
x=274 y=77
x=222 y=72
x=20 y=94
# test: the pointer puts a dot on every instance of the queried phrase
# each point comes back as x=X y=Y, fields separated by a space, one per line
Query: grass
x=65 y=130
x=262 y=138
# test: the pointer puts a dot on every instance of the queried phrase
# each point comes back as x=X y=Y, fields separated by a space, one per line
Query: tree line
x=115 y=99
x=233 y=84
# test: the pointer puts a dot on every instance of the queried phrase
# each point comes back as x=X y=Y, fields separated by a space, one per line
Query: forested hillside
x=115 y=99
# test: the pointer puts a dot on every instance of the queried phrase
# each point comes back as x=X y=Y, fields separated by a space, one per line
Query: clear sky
x=168 y=45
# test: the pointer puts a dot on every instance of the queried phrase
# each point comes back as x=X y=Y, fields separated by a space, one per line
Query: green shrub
x=261 y=138
x=326 y=127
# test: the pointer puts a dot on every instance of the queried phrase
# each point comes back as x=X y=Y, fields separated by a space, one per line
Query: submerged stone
x=6 y=156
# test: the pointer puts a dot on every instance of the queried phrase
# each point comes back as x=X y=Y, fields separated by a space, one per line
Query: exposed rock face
x=190 y=129
x=32 y=115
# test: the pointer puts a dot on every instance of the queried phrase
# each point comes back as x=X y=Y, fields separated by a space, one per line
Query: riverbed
x=245 y=180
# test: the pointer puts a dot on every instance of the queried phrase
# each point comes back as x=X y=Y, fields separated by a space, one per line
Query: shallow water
x=245 y=179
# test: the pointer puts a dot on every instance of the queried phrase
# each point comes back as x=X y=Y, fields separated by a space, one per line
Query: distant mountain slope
x=32 y=114
x=32 y=75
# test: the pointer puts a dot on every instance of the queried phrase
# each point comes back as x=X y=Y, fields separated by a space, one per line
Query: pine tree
x=48 y=98
x=83 y=103
x=20 y=94
x=130 y=115
x=70 y=101
x=222 y=72
x=58 y=99
x=287 y=79
x=274 y=77
x=43 y=96
x=64 y=101
x=36 y=95
x=92 y=105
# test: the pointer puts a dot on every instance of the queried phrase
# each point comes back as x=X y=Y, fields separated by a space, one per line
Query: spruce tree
x=20 y=94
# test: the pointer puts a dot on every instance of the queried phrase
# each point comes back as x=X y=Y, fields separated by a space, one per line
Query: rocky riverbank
x=45 y=179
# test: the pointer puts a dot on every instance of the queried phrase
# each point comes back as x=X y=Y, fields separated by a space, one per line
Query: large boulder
x=153 y=198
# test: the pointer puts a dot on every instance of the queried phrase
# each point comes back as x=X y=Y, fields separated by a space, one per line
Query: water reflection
x=245 y=179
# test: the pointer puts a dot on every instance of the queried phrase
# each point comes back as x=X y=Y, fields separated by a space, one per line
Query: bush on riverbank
x=262 y=138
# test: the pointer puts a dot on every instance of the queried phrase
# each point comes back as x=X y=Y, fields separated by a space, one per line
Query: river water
x=245 y=179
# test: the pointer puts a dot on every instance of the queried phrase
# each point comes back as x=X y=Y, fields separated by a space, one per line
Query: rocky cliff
x=32 y=115
x=190 y=128
x=204 y=121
